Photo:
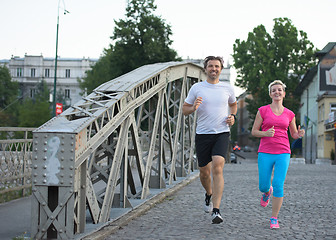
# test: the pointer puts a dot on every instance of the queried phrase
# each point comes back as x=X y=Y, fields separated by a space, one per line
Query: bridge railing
x=15 y=162
x=82 y=158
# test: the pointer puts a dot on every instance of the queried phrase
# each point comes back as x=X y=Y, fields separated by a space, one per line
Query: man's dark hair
x=207 y=59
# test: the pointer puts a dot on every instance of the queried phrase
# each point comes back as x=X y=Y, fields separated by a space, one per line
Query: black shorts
x=208 y=145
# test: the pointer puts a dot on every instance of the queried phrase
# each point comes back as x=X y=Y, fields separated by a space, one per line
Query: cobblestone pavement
x=308 y=211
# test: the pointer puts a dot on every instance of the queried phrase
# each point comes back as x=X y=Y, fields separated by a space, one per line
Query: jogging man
x=216 y=107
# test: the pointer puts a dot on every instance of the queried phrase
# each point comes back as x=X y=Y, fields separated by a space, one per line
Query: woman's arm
x=296 y=132
x=256 y=128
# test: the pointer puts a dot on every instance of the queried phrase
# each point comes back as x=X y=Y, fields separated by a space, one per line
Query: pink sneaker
x=266 y=197
x=274 y=222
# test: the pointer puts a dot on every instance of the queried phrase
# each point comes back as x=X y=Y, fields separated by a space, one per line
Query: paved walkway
x=308 y=211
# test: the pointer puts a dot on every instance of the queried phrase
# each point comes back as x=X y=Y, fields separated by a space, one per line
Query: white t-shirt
x=214 y=110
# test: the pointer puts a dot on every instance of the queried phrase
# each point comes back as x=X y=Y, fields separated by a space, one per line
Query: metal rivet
x=44 y=174
x=35 y=166
x=45 y=166
x=44 y=181
x=45 y=149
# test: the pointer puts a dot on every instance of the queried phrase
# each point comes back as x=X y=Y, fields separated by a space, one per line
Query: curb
x=113 y=226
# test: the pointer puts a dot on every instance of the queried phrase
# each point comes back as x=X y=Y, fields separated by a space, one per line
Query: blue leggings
x=266 y=162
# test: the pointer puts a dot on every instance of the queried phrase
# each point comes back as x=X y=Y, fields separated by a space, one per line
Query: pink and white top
x=279 y=143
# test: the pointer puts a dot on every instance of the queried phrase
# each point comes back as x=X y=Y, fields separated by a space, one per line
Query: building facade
x=29 y=71
x=244 y=137
x=326 y=128
x=317 y=90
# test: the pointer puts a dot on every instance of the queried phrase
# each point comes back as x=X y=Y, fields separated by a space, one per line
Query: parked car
x=247 y=149
x=233 y=158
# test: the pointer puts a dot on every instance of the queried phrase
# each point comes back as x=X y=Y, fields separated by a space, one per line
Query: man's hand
x=197 y=103
x=230 y=120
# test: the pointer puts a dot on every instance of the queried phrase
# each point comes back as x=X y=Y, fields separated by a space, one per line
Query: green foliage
x=141 y=38
x=286 y=55
x=8 y=97
x=34 y=112
x=8 y=90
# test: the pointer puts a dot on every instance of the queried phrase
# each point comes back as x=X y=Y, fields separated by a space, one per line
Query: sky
x=200 y=27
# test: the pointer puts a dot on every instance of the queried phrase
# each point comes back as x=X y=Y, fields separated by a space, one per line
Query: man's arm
x=233 y=110
x=188 y=108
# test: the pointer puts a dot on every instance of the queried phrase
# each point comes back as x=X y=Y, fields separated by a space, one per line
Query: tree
x=262 y=58
x=142 y=38
x=33 y=112
x=8 y=96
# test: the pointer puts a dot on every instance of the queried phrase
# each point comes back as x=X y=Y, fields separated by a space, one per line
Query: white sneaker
x=208 y=208
x=216 y=218
x=208 y=204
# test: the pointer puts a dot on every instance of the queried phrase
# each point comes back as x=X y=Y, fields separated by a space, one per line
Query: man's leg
x=205 y=178
x=218 y=180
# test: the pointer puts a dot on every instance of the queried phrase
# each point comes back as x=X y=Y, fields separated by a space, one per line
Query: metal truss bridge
x=127 y=137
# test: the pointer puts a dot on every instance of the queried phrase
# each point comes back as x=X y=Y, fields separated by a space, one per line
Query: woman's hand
x=270 y=132
x=301 y=132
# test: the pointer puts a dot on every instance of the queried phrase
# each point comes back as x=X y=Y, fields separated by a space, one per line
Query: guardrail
x=15 y=162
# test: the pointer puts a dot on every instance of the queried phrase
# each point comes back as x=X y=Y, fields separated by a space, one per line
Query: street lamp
x=55 y=78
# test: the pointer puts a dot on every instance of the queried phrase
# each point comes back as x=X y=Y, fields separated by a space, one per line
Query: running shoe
x=208 y=204
x=266 y=198
x=274 y=222
x=216 y=218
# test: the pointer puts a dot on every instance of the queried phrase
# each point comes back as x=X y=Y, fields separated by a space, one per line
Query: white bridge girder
x=126 y=137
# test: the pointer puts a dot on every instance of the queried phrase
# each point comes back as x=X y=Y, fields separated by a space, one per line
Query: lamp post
x=55 y=77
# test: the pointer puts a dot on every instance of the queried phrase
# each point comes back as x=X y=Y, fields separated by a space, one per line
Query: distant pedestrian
x=216 y=107
x=274 y=149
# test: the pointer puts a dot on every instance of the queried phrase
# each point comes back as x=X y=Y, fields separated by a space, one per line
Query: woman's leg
x=265 y=167
x=280 y=172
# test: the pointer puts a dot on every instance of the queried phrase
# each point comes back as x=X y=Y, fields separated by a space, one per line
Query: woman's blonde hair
x=276 y=82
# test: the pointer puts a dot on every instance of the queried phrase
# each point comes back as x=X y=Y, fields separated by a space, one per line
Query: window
x=67 y=93
x=32 y=92
x=19 y=72
x=332 y=107
x=32 y=72
x=67 y=73
x=47 y=72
